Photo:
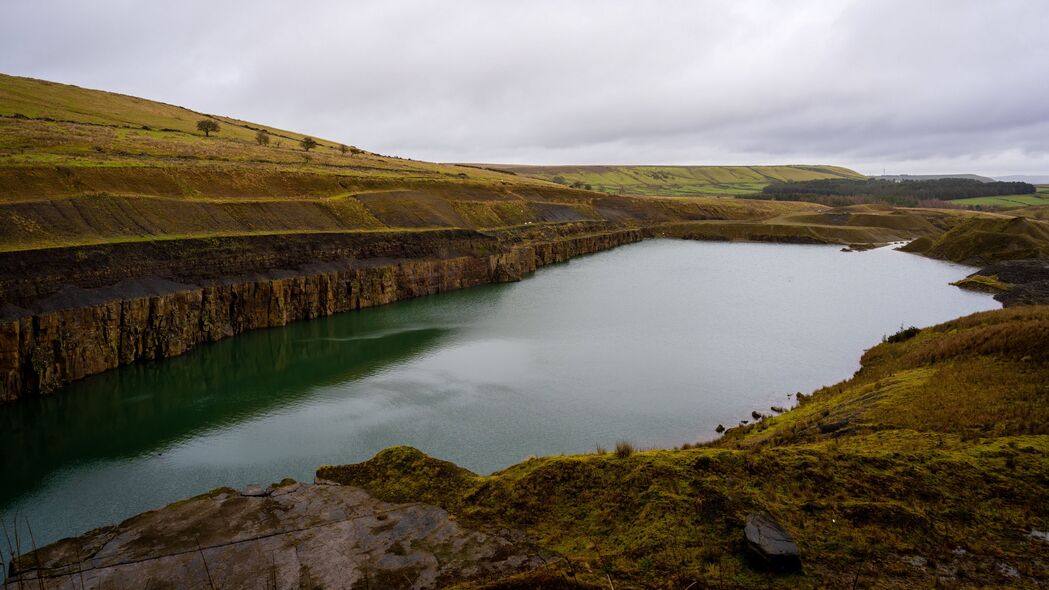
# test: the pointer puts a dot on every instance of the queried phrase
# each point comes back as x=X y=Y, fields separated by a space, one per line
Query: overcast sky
x=912 y=86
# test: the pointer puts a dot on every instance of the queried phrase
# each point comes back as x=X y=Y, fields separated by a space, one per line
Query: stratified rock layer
x=43 y=351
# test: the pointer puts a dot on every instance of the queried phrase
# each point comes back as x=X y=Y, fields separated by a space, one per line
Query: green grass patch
x=1007 y=201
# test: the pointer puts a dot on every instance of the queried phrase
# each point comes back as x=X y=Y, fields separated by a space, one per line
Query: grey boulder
x=771 y=544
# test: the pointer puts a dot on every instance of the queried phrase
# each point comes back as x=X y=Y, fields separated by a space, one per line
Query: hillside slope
x=678 y=180
x=982 y=240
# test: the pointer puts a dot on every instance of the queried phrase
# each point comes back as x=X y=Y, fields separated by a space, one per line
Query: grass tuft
x=624 y=449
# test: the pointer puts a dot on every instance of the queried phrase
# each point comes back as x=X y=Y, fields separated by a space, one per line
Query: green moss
x=982 y=284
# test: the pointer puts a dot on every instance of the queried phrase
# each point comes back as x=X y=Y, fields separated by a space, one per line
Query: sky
x=904 y=86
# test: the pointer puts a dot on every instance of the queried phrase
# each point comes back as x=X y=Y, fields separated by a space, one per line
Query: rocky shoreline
x=1013 y=282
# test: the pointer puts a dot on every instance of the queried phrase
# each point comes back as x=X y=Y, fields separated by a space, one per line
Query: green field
x=1009 y=201
x=678 y=180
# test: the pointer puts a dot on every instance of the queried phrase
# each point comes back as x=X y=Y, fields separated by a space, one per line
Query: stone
x=771 y=544
x=833 y=427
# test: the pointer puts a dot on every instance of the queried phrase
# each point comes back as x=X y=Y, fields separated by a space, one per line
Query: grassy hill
x=678 y=180
x=984 y=240
x=81 y=166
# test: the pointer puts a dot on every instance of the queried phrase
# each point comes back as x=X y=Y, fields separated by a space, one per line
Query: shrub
x=207 y=127
x=262 y=137
x=308 y=143
x=624 y=449
x=903 y=335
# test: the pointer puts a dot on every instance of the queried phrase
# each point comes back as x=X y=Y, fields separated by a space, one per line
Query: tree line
x=262 y=137
x=907 y=193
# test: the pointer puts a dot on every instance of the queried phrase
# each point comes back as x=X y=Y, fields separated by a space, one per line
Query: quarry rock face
x=43 y=351
x=315 y=536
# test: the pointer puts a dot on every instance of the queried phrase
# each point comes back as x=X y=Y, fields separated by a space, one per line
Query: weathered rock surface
x=1027 y=281
x=770 y=543
x=316 y=536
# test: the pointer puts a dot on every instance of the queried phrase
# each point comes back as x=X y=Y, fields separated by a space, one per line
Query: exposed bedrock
x=287 y=536
x=44 y=349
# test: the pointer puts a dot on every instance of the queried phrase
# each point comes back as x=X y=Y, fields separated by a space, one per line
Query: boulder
x=771 y=544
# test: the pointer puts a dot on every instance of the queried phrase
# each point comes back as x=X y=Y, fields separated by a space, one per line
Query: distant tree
x=588 y=187
x=308 y=143
x=343 y=149
x=559 y=179
x=207 y=127
x=262 y=137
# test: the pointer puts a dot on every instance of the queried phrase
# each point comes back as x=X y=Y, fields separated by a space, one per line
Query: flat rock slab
x=771 y=543
x=309 y=536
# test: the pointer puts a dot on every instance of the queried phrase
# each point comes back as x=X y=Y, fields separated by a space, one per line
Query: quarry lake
x=655 y=343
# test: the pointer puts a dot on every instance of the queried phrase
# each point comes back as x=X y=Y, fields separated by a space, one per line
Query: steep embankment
x=927 y=468
x=105 y=328
x=677 y=180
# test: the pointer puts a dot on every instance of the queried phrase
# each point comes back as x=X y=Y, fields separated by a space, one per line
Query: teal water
x=656 y=343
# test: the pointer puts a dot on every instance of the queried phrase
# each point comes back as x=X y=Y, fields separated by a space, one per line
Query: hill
x=81 y=167
x=985 y=240
x=922 y=177
x=1031 y=178
x=676 y=180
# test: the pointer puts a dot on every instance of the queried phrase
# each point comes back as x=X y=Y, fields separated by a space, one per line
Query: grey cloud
x=932 y=86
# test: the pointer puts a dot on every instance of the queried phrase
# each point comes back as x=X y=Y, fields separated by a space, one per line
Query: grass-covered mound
x=982 y=240
x=930 y=466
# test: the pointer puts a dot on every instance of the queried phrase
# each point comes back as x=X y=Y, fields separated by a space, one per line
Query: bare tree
x=207 y=127
x=308 y=143
x=262 y=137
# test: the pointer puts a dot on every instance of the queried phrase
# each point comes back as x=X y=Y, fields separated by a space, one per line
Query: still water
x=656 y=343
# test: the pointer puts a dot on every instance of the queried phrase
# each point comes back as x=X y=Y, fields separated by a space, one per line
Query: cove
x=656 y=343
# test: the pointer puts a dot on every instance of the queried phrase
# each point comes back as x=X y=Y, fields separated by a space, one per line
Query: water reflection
x=146 y=407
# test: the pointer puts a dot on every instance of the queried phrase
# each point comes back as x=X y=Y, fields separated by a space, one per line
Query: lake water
x=656 y=343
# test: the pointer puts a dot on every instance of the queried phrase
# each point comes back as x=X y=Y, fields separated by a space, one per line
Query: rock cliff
x=42 y=351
